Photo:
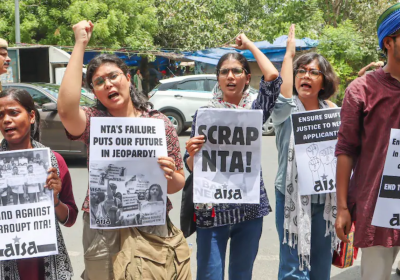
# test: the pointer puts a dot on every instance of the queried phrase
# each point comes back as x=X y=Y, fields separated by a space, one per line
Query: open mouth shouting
x=113 y=95
x=305 y=86
x=9 y=130
x=231 y=86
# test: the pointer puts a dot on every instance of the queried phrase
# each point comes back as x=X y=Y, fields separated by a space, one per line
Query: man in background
x=4 y=59
x=369 y=113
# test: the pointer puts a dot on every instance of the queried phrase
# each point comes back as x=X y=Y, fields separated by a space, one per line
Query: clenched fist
x=83 y=31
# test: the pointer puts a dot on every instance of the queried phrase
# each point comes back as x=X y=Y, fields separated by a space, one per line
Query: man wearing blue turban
x=388 y=25
x=370 y=110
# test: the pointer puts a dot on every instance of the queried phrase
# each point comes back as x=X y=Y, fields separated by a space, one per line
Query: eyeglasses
x=313 y=74
x=113 y=77
x=237 y=71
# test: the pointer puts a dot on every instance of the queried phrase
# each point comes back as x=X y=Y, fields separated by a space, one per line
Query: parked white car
x=179 y=98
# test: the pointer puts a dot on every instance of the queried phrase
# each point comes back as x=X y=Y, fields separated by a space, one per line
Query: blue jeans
x=321 y=253
x=211 y=250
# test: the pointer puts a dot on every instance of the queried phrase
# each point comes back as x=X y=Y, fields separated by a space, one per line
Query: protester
x=369 y=112
x=3 y=192
x=4 y=58
x=109 y=80
x=155 y=193
x=33 y=189
x=137 y=81
x=117 y=201
x=307 y=83
x=375 y=65
x=118 y=195
x=17 y=111
x=233 y=74
x=109 y=208
x=18 y=191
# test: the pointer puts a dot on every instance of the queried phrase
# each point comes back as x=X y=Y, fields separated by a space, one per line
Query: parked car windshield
x=196 y=85
x=86 y=97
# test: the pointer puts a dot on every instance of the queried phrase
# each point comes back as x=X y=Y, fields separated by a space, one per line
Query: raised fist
x=83 y=31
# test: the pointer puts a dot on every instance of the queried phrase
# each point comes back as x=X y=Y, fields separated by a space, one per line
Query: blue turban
x=388 y=23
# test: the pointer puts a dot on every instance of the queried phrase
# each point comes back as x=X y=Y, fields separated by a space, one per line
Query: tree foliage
x=194 y=24
x=346 y=29
x=130 y=23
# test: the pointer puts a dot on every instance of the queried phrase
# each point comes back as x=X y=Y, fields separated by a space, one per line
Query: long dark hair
x=26 y=101
x=331 y=81
x=160 y=192
x=140 y=101
x=240 y=58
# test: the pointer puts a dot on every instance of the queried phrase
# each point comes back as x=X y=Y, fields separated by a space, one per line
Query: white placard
x=27 y=221
x=387 y=208
x=227 y=168
x=124 y=173
x=315 y=137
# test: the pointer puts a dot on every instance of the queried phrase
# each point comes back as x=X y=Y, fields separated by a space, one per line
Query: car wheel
x=176 y=121
x=268 y=128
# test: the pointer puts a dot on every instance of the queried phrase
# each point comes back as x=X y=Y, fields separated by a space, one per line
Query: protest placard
x=227 y=168
x=315 y=137
x=124 y=173
x=387 y=208
x=27 y=219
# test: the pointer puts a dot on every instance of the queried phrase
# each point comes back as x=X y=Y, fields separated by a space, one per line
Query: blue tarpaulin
x=275 y=52
x=132 y=60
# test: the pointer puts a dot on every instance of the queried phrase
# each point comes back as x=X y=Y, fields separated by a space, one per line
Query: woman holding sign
x=307 y=83
x=19 y=124
x=109 y=79
x=216 y=223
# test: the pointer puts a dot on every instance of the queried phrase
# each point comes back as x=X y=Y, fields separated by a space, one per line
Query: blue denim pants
x=211 y=250
x=321 y=253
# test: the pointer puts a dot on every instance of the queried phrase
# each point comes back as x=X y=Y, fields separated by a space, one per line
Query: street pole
x=17 y=29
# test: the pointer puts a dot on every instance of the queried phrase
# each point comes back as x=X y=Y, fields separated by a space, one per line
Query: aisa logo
x=228 y=194
x=24 y=249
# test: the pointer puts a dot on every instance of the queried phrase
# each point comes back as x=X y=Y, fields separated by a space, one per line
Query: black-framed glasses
x=312 y=74
x=236 y=71
x=113 y=77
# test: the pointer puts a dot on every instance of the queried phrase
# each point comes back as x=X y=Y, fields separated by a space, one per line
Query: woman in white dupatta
x=305 y=224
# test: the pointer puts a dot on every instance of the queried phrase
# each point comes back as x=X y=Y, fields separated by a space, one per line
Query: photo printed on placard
x=122 y=195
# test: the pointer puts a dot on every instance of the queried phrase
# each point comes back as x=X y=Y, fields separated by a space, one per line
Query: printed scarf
x=297 y=211
x=57 y=267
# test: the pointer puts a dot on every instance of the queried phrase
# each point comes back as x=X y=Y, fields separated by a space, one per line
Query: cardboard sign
x=387 y=208
x=227 y=168
x=123 y=171
x=315 y=136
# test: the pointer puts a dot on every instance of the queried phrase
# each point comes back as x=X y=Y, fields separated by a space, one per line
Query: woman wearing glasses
x=305 y=241
x=108 y=77
x=242 y=223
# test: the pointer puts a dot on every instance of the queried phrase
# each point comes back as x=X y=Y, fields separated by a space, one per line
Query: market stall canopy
x=131 y=59
x=275 y=52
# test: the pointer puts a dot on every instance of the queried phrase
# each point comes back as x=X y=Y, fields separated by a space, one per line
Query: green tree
x=194 y=24
x=343 y=47
x=128 y=23
x=346 y=30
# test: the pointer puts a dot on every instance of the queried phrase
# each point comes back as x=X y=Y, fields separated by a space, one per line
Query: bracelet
x=58 y=203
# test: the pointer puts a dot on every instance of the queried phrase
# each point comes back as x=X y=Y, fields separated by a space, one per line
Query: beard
x=396 y=53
